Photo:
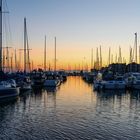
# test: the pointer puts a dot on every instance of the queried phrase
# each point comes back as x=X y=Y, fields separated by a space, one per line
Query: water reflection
x=107 y=94
x=110 y=93
x=135 y=94
x=51 y=89
x=8 y=101
x=71 y=111
x=37 y=93
x=112 y=96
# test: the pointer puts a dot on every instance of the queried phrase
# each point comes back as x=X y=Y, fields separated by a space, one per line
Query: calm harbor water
x=71 y=112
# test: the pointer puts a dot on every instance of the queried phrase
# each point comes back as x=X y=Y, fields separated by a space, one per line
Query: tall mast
x=19 y=63
x=49 y=66
x=100 y=57
x=136 y=47
x=55 y=56
x=116 y=59
x=15 y=61
x=109 y=56
x=0 y=35
x=25 y=45
x=8 y=59
x=112 y=59
x=130 y=59
x=139 y=54
x=45 y=55
x=92 y=58
x=32 y=65
x=97 y=55
x=3 y=60
x=11 y=63
x=28 y=54
x=120 y=56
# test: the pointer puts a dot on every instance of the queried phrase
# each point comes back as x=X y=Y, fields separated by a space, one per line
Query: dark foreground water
x=72 y=112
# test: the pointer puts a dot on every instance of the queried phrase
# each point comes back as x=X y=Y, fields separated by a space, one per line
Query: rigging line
x=5 y=38
x=8 y=22
x=6 y=5
x=9 y=29
x=28 y=53
x=5 y=29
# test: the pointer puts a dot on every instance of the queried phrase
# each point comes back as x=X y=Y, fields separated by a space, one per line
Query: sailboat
x=24 y=80
x=8 y=87
x=51 y=78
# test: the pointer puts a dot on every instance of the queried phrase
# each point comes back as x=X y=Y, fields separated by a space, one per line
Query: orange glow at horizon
x=71 y=56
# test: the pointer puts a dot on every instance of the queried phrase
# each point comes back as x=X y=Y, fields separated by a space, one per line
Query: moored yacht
x=8 y=89
x=51 y=80
x=24 y=83
x=37 y=78
x=113 y=83
x=133 y=81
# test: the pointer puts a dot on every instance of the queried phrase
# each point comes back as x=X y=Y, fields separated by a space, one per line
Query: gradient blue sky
x=79 y=25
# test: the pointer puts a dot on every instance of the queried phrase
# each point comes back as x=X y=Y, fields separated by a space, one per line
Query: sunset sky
x=79 y=26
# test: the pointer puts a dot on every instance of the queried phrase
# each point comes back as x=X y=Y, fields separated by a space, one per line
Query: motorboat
x=8 y=89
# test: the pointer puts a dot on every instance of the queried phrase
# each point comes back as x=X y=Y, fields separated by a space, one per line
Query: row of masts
x=6 y=58
x=134 y=52
x=133 y=56
x=55 y=58
x=98 y=62
x=6 y=61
